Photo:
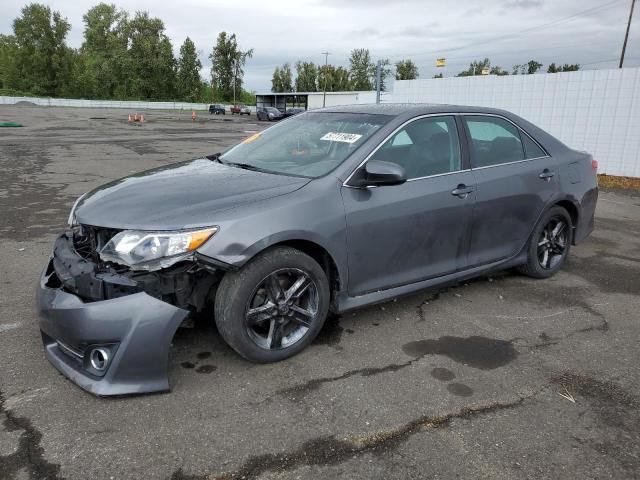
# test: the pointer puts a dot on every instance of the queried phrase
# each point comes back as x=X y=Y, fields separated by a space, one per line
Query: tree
x=361 y=69
x=385 y=72
x=282 y=80
x=529 y=68
x=8 y=73
x=439 y=75
x=306 y=77
x=227 y=65
x=103 y=54
x=475 y=68
x=188 y=76
x=341 y=80
x=499 y=71
x=533 y=67
x=276 y=80
x=565 y=68
x=150 y=66
x=41 y=59
x=406 y=70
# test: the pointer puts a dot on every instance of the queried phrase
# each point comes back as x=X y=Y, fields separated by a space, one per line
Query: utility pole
x=326 y=59
x=626 y=35
x=378 y=78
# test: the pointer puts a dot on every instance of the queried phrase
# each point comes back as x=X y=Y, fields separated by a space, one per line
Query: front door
x=405 y=233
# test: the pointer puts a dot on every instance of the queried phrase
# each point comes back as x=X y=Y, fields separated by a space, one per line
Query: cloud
x=421 y=30
x=522 y=4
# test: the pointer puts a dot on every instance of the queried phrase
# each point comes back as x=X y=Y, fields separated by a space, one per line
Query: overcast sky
x=507 y=31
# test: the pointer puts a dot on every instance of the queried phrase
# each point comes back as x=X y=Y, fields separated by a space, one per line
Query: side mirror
x=377 y=173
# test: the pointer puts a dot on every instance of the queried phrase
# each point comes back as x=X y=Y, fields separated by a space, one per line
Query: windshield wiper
x=245 y=166
x=215 y=157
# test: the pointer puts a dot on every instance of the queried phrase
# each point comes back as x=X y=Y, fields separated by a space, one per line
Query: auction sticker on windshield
x=341 y=137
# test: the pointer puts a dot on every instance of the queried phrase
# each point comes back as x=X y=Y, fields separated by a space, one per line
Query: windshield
x=309 y=144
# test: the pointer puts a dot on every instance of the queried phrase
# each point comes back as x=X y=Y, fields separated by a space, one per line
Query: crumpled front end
x=109 y=330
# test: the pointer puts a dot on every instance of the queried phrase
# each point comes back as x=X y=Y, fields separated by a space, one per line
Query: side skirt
x=345 y=302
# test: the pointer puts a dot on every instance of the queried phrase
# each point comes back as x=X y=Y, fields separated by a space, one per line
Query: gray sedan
x=329 y=210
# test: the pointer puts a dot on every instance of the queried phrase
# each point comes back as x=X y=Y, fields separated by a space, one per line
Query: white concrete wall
x=132 y=105
x=593 y=110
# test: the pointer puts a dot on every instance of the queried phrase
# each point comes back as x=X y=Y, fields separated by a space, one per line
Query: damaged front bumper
x=111 y=346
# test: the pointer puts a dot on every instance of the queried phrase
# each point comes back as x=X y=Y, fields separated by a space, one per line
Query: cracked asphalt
x=499 y=377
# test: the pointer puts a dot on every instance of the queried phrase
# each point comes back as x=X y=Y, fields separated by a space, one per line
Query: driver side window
x=425 y=147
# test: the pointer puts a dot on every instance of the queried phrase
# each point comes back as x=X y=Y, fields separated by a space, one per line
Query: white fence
x=131 y=105
x=593 y=110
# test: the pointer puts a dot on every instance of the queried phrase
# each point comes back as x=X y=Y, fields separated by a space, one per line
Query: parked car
x=216 y=110
x=269 y=113
x=331 y=210
x=240 y=110
x=290 y=112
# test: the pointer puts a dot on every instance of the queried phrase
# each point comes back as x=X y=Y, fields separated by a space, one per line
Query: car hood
x=179 y=196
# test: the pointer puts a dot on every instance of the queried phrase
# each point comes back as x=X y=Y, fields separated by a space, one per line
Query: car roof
x=401 y=109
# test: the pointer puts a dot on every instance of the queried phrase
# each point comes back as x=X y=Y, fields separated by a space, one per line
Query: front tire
x=549 y=244
x=274 y=306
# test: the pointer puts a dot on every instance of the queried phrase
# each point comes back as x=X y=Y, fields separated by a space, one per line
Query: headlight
x=72 y=214
x=153 y=250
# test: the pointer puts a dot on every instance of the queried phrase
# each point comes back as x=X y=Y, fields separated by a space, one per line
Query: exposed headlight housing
x=72 y=214
x=142 y=250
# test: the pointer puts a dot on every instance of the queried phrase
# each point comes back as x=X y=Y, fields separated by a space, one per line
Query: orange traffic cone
x=129 y=118
x=193 y=115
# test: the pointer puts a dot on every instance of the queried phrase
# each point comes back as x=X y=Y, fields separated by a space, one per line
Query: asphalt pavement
x=499 y=377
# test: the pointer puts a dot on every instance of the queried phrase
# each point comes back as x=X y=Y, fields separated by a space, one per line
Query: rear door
x=515 y=179
x=405 y=233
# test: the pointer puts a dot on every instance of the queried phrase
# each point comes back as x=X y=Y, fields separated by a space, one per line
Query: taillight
x=594 y=164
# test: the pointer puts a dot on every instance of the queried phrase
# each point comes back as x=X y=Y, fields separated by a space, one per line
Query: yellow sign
x=441 y=62
x=485 y=71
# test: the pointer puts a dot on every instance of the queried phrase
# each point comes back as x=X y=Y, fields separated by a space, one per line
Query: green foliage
x=564 y=68
x=120 y=58
x=529 y=68
x=39 y=59
x=8 y=72
x=406 y=70
x=227 y=69
x=103 y=54
x=334 y=79
x=499 y=71
x=385 y=72
x=306 y=77
x=282 y=80
x=475 y=68
x=188 y=75
x=361 y=69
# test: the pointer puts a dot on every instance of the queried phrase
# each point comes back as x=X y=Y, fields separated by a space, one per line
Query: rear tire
x=549 y=244
x=259 y=308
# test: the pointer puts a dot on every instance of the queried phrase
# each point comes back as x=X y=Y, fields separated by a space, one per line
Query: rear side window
x=531 y=148
x=493 y=141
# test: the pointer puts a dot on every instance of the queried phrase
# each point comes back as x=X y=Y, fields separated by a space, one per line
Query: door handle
x=462 y=191
x=546 y=174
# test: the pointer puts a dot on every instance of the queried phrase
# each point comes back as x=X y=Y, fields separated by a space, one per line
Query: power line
x=518 y=33
x=626 y=35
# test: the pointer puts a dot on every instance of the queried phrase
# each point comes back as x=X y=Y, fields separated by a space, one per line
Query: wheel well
x=320 y=255
x=571 y=210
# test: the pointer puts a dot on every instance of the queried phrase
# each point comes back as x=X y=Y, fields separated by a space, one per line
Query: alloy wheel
x=282 y=309
x=552 y=244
